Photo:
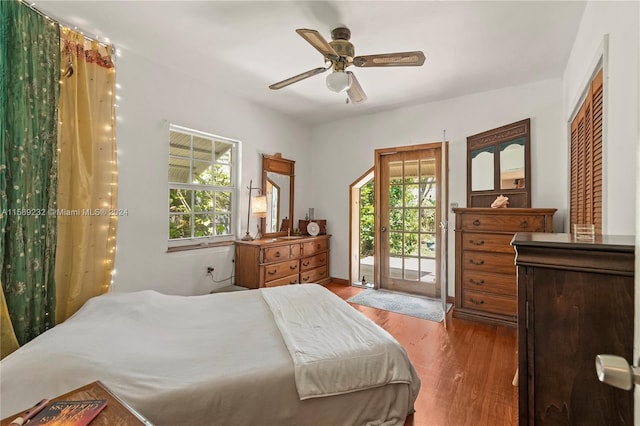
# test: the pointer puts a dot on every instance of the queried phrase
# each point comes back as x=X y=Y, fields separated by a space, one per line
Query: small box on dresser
x=273 y=262
x=486 y=286
x=322 y=225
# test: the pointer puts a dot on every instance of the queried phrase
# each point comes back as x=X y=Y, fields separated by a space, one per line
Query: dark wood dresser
x=575 y=301
x=280 y=261
x=485 y=269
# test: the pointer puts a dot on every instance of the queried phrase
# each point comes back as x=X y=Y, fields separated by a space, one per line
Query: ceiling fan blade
x=316 y=40
x=401 y=59
x=296 y=78
x=355 y=92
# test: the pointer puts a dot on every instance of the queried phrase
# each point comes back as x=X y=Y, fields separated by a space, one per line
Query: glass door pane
x=409 y=213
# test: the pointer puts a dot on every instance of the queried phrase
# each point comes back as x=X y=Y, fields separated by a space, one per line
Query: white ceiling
x=243 y=47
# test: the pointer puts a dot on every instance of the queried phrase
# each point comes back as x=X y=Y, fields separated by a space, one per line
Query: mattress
x=217 y=359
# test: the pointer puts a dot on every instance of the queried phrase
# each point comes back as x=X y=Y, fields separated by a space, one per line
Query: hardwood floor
x=466 y=369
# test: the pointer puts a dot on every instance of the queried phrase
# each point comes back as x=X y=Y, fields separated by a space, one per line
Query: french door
x=408 y=216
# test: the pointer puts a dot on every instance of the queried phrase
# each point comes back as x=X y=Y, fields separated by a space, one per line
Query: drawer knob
x=524 y=224
x=305 y=279
x=272 y=272
x=476 y=302
x=472 y=281
x=476 y=222
x=277 y=254
x=479 y=262
x=306 y=263
x=292 y=267
x=476 y=243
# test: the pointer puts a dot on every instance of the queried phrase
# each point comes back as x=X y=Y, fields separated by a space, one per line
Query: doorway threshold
x=362 y=285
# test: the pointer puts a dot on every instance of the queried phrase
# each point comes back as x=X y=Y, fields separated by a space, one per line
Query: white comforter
x=213 y=359
x=333 y=350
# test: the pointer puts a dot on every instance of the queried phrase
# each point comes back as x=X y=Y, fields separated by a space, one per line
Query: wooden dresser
x=485 y=269
x=575 y=301
x=280 y=261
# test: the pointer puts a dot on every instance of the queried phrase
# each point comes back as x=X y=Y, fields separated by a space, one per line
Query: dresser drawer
x=313 y=261
x=279 y=270
x=279 y=253
x=503 y=223
x=499 y=263
x=490 y=283
x=313 y=247
x=291 y=279
x=487 y=242
x=490 y=303
x=314 y=275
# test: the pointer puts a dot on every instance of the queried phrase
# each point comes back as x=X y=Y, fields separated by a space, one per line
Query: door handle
x=615 y=371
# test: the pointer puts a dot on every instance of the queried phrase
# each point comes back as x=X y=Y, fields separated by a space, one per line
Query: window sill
x=198 y=246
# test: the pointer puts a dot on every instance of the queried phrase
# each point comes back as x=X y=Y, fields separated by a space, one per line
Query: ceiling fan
x=339 y=54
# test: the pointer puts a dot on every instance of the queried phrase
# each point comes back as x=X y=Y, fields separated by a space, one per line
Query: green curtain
x=29 y=90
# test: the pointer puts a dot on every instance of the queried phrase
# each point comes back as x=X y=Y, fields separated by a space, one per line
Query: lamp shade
x=338 y=81
x=259 y=206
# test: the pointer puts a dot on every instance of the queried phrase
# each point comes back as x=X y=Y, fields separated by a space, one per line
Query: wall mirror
x=278 y=176
x=498 y=163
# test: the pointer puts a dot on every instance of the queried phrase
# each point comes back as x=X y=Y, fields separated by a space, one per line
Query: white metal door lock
x=615 y=371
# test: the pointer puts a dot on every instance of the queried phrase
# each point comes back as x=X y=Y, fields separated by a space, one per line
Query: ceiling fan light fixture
x=338 y=81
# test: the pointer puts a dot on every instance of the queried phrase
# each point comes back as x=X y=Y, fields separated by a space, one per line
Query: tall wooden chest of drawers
x=575 y=301
x=486 y=286
x=280 y=261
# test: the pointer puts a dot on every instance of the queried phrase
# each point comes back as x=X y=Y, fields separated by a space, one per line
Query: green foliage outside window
x=412 y=224
x=205 y=204
x=366 y=220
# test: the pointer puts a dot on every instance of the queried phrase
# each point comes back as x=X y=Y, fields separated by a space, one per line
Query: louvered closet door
x=586 y=159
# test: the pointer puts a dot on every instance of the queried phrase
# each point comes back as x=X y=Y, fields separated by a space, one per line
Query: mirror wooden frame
x=277 y=164
x=518 y=197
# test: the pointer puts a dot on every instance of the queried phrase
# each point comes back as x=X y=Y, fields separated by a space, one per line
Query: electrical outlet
x=210 y=269
x=453 y=206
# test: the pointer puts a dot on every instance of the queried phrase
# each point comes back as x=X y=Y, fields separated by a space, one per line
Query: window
x=586 y=159
x=202 y=187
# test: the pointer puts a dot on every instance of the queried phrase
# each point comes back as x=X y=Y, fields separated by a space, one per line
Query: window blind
x=586 y=159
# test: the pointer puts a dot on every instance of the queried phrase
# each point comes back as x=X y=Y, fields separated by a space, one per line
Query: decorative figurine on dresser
x=280 y=258
x=499 y=200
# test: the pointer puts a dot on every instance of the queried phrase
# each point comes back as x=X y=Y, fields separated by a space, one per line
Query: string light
x=105 y=42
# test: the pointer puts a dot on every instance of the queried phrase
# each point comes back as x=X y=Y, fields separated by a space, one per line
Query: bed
x=290 y=355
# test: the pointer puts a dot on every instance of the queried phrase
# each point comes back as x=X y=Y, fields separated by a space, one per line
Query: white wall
x=618 y=20
x=152 y=95
x=344 y=150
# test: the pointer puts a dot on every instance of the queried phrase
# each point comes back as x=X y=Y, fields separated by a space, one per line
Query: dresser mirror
x=278 y=176
x=498 y=163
